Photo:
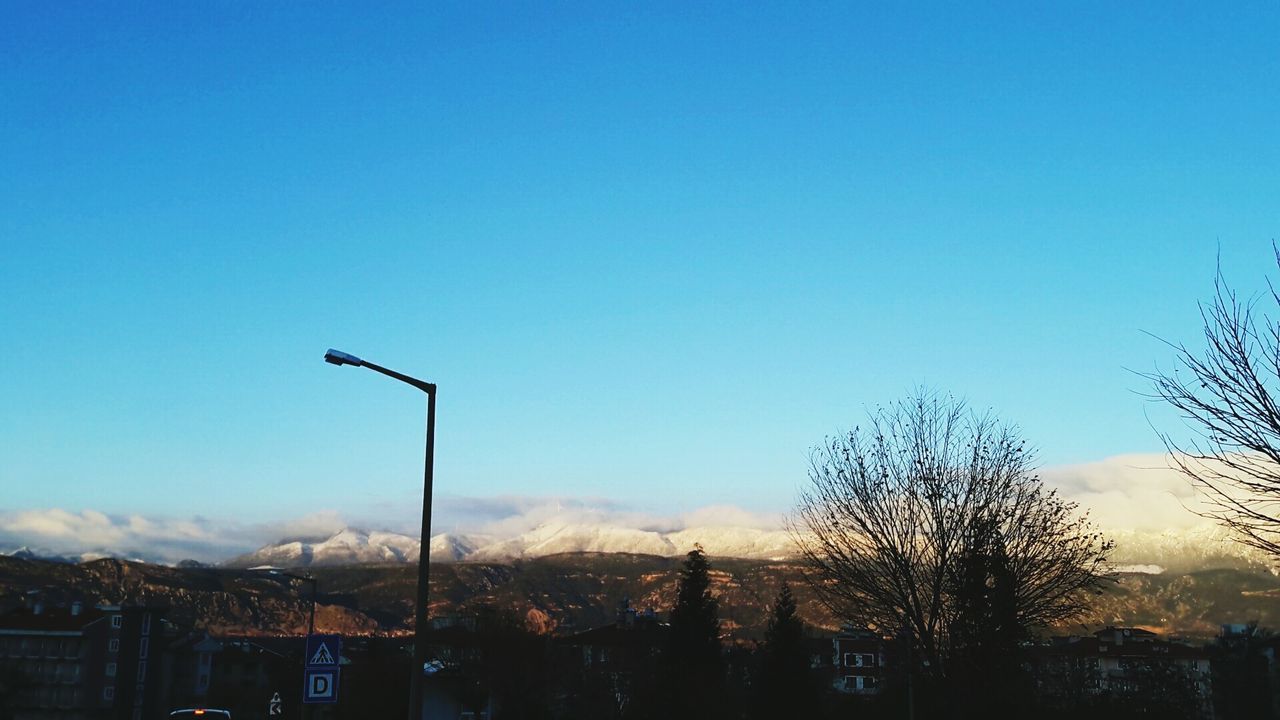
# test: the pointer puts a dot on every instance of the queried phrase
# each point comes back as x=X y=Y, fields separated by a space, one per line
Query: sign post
x=320 y=677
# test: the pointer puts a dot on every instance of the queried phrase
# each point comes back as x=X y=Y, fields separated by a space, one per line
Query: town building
x=73 y=662
x=858 y=661
x=1122 y=662
x=608 y=661
x=240 y=674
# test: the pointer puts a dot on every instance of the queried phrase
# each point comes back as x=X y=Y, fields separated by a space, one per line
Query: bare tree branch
x=890 y=511
x=1226 y=393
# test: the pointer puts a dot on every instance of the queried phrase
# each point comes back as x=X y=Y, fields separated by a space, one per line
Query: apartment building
x=74 y=662
x=858 y=661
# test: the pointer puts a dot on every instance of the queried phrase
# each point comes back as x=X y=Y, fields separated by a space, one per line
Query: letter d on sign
x=321 y=685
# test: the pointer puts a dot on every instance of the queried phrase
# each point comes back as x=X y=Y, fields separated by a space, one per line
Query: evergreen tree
x=785 y=685
x=1241 y=681
x=984 y=662
x=693 y=662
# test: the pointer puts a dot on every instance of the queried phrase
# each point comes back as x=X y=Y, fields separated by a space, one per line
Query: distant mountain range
x=1147 y=552
x=1137 y=551
x=1186 y=550
x=350 y=546
x=28 y=553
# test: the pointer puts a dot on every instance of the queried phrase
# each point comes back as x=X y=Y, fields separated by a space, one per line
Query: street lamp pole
x=311 y=621
x=337 y=357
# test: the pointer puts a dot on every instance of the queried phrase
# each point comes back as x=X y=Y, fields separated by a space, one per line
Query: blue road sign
x=321 y=685
x=323 y=650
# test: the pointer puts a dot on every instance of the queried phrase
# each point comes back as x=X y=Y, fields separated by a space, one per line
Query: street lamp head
x=337 y=357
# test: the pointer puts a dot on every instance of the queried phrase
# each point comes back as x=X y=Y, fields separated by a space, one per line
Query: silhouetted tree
x=1228 y=392
x=985 y=635
x=1241 y=679
x=891 y=512
x=693 y=662
x=784 y=685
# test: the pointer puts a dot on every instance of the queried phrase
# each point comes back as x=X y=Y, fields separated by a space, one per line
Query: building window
x=859 y=660
x=142 y=670
x=113 y=646
x=137 y=714
x=111 y=669
x=116 y=621
x=142 y=648
x=859 y=682
x=139 y=694
x=108 y=693
x=146 y=624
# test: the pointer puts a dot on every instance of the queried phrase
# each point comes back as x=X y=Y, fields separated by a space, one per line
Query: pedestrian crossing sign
x=323 y=650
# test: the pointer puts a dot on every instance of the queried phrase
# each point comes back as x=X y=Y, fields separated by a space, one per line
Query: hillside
x=563 y=593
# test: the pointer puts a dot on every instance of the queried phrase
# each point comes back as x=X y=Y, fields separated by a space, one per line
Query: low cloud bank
x=509 y=516
x=1128 y=492
x=1132 y=492
x=89 y=533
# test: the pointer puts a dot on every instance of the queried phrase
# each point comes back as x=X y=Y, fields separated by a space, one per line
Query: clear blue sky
x=651 y=254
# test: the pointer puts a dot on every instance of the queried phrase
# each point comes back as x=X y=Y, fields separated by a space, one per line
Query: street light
x=337 y=357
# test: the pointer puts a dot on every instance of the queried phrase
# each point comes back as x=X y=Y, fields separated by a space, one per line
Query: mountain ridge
x=352 y=546
x=1136 y=551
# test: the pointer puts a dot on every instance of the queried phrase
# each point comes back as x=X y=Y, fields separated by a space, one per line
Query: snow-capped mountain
x=450 y=547
x=350 y=546
x=553 y=538
x=1147 y=552
x=1186 y=550
x=742 y=542
x=28 y=553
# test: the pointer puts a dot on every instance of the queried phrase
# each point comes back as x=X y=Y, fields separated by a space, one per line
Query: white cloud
x=169 y=539
x=729 y=516
x=57 y=531
x=1139 y=492
x=1128 y=492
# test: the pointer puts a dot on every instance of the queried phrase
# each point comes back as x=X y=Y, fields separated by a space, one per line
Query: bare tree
x=1227 y=393
x=891 y=511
